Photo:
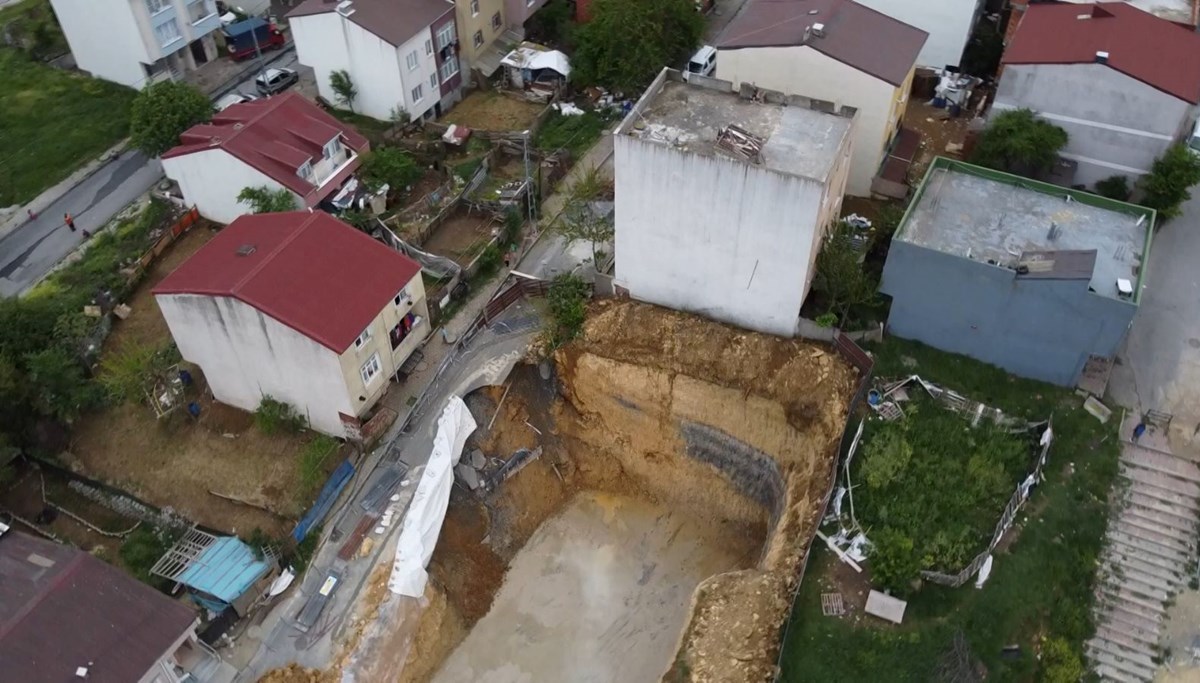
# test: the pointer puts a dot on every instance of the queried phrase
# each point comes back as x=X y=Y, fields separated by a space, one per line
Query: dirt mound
x=294 y=673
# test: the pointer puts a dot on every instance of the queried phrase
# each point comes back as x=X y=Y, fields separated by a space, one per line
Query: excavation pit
x=663 y=529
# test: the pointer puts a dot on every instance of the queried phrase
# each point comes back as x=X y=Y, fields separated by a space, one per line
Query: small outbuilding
x=536 y=69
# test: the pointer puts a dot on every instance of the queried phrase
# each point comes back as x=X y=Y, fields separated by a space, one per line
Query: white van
x=704 y=62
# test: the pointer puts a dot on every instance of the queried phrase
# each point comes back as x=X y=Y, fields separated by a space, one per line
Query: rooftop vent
x=813 y=11
x=1101 y=57
x=246 y=249
x=345 y=8
x=741 y=143
x=818 y=30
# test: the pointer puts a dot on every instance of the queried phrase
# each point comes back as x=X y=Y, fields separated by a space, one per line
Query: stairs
x=1151 y=547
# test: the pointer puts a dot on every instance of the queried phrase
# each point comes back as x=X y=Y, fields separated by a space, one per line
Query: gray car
x=274 y=81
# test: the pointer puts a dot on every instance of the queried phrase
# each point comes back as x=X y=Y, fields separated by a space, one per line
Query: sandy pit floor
x=599 y=593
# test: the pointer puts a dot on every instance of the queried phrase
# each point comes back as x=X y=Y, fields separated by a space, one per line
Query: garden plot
x=680 y=469
x=463 y=236
x=492 y=110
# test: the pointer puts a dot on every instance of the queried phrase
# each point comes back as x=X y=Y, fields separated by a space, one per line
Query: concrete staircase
x=1151 y=547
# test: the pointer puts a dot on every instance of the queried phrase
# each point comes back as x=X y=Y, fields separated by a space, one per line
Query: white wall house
x=138 y=42
x=283 y=141
x=727 y=222
x=400 y=56
x=300 y=307
x=1123 y=83
x=948 y=22
x=846 y=53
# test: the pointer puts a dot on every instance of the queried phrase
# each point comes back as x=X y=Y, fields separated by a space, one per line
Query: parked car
x=227 y=101
x=274 y=81
x=704 y=62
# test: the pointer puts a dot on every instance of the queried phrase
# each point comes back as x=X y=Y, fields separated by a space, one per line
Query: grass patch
x=372 y=129
x=52 y=122
x=312 y=461
x=576 y=134
x=1041 y=585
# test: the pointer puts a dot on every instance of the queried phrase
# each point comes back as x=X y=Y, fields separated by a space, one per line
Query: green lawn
x=1039 y=594
x=52 y=122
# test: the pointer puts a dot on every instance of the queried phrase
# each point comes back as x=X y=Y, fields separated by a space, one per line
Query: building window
x=156 y=6
x=412 y=60
x=362 y=338
x=477 y=39
x=402 y=329
x=418 y=93
x=474 y=8
x=305 y=171
x=428 y=47
x=445 y=36
x=496 y=22
x=401 y=298
x=198 y=10
x=449 y=68
x=332 y=148
x=167 y=32
x=370 y=370
x=433 y=82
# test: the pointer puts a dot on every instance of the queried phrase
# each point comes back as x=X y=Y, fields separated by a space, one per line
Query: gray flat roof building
x=1040 y=280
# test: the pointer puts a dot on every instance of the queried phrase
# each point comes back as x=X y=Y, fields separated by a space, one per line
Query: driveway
x=1159 y=368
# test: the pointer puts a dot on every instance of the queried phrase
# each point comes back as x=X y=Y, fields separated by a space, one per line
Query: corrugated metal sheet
x=225 y=570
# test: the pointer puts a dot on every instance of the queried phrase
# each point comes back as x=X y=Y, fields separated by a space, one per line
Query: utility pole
x=262 y=68
x=528 y=179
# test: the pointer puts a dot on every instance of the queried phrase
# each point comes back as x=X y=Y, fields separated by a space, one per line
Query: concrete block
x=477 y=459
x=467 y=475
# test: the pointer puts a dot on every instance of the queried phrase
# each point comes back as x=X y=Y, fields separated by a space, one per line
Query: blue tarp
x=329 y=494
x=225 y=570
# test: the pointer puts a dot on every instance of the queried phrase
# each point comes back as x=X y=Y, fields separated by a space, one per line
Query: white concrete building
x=838 y=51
x=949 y=24
x=1123 y=83
x=400 y=54
x=300 y=307
x=278 y=142
x=139 y=42
x=722 y=199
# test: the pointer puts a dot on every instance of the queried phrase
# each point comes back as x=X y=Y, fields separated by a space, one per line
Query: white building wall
x=948 y=23
x=803 y=71
x=1116 y=125
x=246 y=355
x=714 y=236
x=105 y=39
x=329 y=42
x=212 y=180
x=426 y=67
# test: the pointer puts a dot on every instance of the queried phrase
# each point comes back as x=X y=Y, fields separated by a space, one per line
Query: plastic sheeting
x=423 y=521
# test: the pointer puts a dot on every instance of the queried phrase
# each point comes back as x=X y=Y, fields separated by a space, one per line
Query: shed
x=219 y=571
x=536 y=67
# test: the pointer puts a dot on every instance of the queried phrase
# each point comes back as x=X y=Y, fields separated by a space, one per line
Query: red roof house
x=1122 y=82
x=66 y=615
x=298 y=306
x=283 y=141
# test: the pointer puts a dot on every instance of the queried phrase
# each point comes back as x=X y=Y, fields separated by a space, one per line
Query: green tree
x=343 y=87
x=263 y=199
x=894 y=560
x=567 y=297
x=840 y=276
x=389 y=166
x=58 y=388
x=1018 y=141
x=164 y=110
x=1170 y=180
x=579 y=223
x=626 y=42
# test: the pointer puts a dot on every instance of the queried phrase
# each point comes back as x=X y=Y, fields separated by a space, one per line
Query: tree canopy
x=628 y=41
x=262 y=199
x=164 y=110
x=1170 y=180
x=1018 y=141
x=389 y=166
x=344 y=87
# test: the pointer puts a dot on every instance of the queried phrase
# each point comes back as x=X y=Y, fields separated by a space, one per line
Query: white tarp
x=423 y=521
x=536 y=57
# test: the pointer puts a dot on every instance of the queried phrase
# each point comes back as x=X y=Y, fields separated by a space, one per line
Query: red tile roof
x=308 y=270
x=1155 y=51
x=854 y=34
x=395 y=21
x=274 y=135
x=61 y=608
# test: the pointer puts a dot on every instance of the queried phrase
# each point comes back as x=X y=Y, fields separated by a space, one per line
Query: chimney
x=818 y=30
x=1101 y=57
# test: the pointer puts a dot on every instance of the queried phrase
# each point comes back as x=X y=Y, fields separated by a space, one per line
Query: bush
x=262 y=199
x=143 y=548
x=1170 y=180
x=127 y=373
x=1018 y=141
x=304 y=552
x=1114 y=187
x=568 y=309
x=390 y=166
x=894 y=562
x=575 y=134
x=1060 y=662
x=274 y=416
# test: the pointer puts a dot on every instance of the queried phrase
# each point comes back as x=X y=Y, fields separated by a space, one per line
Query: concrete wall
x=1042 y=329
x=715 y=236
x=519 y=11
x=1116 y=125
x=245 y=355
x=469 y=22
x=329 y=42
x=948 y=23
x=212 y=179
x=803 y=71
x=105 y=39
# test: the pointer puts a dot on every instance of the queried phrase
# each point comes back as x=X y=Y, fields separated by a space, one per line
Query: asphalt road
x=34 y=247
